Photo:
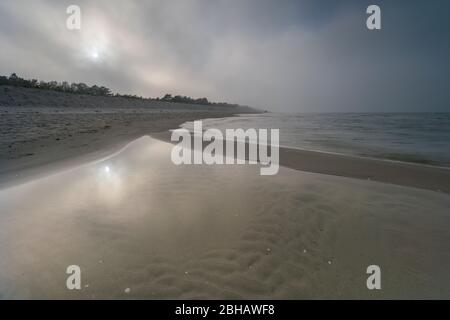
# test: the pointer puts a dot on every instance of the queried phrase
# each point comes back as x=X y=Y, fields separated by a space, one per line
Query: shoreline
x=98 y=144
x=385 y=171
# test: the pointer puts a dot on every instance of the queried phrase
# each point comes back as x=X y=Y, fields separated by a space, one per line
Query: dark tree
x=95 y=90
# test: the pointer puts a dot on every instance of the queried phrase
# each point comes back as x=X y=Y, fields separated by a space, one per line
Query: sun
x=95 y=55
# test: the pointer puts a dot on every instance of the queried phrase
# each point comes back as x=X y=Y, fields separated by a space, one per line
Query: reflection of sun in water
x=109 y=185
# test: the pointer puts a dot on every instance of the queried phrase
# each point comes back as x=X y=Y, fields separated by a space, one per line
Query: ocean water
x=410 y=137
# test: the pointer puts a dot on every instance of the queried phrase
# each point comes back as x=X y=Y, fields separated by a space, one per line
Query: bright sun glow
x=94 y=55
x=107 y=169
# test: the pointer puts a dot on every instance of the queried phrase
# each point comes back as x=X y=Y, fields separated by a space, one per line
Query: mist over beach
x=346 y=101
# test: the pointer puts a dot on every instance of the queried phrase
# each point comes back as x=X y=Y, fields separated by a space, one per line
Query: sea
x=422 y=138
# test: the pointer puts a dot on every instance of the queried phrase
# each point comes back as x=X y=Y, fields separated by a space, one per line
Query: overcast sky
x=312 y=55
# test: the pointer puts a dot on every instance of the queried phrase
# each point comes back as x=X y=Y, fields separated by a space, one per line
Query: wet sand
x=394 y=172
x=165 y=231
x=35 y=141
x=387 y=171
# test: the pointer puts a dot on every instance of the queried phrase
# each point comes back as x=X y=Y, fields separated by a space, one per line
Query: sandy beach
x=146 y=228
x=102 y=193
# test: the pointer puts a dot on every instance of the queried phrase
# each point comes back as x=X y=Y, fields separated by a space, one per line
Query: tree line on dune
x=82 y=88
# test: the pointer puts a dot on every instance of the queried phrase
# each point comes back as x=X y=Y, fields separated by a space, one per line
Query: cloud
x=282 y=56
